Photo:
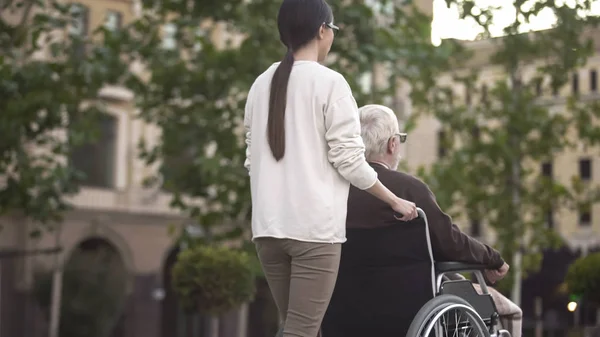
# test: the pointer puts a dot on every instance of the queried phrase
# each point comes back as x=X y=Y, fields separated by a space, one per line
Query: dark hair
x=298 y=22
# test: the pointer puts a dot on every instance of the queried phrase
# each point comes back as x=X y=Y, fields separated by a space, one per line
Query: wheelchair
x=456 y=308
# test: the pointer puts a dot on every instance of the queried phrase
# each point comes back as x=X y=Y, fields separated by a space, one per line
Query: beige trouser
x=511 y=316
x=301 y=276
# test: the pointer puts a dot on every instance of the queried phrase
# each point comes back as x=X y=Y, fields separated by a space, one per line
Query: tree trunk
x=516 y=198
x=189 y=324
x=517 y=267
x=516 y=201
x=56 y=300
x=242 y=330
x=539 y=317
x=213 y=326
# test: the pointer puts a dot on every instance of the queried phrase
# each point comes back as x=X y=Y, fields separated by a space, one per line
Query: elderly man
x=385 y=268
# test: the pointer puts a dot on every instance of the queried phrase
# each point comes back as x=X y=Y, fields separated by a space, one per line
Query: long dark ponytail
x=277 y=104
x=298 y=22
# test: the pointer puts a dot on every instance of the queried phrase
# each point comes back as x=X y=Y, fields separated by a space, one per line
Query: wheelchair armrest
x=449 y=267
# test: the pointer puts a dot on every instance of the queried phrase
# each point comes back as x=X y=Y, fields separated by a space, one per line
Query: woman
x=304 y=149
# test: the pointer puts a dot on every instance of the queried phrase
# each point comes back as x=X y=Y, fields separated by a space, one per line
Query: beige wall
x=98 y=10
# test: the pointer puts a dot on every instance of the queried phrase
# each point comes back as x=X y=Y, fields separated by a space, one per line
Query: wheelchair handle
x=420 y=213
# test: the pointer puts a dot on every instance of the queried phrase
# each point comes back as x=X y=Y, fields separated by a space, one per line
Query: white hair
x=378 y=125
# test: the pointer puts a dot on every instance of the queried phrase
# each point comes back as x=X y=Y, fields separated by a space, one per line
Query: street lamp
x=193 y=231
x=572 y=306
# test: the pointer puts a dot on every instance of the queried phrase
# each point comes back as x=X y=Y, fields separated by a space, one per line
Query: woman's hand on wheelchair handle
x=407 y=209
x=495 y=275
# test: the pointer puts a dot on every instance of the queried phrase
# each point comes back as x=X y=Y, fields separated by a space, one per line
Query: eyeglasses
x=332 y=26
x=402 y=136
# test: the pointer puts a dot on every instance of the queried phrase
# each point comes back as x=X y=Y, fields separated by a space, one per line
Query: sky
x=446 y=23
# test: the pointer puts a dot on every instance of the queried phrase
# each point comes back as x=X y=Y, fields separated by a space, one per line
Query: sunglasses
x=402 y=136
x=332 y=27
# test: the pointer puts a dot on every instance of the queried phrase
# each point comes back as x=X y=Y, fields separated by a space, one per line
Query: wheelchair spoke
x=455 y=320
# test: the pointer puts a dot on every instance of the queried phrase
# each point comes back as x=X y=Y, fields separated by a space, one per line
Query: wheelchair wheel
x=447 y=316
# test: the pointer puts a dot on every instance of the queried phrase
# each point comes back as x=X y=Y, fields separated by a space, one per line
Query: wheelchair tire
x=439 y=304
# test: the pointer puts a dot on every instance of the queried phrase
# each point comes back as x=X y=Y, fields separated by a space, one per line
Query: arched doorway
x=175 y=323
x=263 y=318
x=94 y=291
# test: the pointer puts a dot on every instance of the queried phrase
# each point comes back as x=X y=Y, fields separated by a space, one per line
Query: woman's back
x=303 y=196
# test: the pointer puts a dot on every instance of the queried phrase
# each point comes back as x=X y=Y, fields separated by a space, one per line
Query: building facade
x=116 y=210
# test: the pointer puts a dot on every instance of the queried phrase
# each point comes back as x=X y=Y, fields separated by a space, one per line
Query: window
x=441 y=144
x=538 y=88
x=79 y=28
x=555 y=90
x=585 y=216
x=169 y=31
x=585 y=169
x=575 y=83
x=476 y=133
x=547 y=169
x=96 y=159
x=80 y=15
x=517 y=83
x=114 y=20
x=550 y=219
x=467 y=95
x=484 y=93
x=475 y=228
x=547 y=172
x=593 y=80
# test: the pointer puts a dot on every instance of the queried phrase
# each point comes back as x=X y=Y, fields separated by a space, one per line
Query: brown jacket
x=447 y=240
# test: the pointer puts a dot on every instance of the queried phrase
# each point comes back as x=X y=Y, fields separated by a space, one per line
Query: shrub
x=213 y=279
x=583 y=277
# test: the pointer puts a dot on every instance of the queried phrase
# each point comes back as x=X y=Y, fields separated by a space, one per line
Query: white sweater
x=304 y=195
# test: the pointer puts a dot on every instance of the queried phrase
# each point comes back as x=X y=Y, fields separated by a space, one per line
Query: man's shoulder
x=399 y=178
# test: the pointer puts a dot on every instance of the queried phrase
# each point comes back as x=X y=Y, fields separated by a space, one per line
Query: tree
x=213 y=279
x=501 y=131
x=47 y=86
x=583 y=277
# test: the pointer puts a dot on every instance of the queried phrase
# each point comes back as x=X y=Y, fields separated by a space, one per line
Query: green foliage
x=93 y=293
x=583 y=277
x=43 y=85
x=213 y=279
x=499 y=134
